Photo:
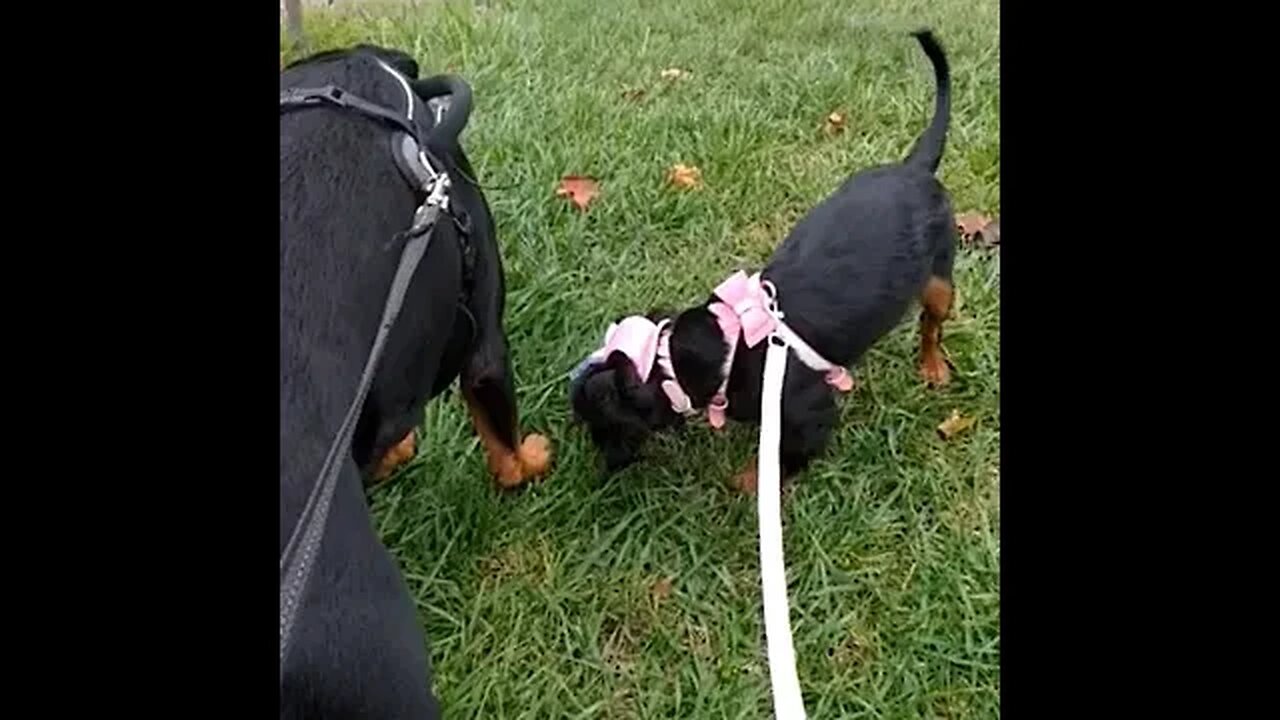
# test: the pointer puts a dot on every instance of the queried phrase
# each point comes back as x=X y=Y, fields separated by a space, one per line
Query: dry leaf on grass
x=990 y=235
x=579 y=189
x=688 y=177
x=971 y=223
x=954 y=425
x=978 y=229
x=660 y=591
x=674 y=73
x=834 y=123
x=633 y=94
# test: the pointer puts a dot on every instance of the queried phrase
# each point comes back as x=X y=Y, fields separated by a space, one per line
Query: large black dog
x=846 y=275
x=357 y=649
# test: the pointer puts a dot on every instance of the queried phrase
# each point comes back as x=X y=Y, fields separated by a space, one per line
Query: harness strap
x=415 y=162
x=334 y=95
x=413 y=159
x=304 y=545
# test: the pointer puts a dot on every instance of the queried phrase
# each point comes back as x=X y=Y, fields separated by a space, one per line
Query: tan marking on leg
x=936 y=299
x=511 y=468
x=746 y=480
x=399 y=454
x=503 y=461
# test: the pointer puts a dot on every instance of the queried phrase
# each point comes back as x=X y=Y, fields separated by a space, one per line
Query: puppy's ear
x=633 y=392
x=616 y=407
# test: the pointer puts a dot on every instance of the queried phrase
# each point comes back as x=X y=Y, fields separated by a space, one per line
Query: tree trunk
x=293 y=20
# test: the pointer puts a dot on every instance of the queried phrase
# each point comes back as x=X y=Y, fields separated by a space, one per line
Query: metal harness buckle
x=437 y=202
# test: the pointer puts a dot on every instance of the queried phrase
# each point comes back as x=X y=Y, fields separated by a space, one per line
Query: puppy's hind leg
x=936 y=300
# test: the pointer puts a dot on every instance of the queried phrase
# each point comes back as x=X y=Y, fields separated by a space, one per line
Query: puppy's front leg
x=808 y=416
x=748 y=478
x=492 y=405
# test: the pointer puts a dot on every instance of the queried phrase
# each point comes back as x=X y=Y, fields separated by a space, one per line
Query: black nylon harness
x=429 y=178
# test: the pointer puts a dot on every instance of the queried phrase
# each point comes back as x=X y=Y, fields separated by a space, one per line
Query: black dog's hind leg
x=399 y=454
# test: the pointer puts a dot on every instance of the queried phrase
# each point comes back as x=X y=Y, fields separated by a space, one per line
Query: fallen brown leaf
x=688 y=177
x=954 y=425
x=978 y=229
x=661 y=590
x=990 y=235
x=970 y=224
x=834 y=123
x=674 y=73
x=633 y=94
x=579 y=189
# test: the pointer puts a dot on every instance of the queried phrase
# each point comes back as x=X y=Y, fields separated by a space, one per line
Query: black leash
x=300 y=554
x=304 y=543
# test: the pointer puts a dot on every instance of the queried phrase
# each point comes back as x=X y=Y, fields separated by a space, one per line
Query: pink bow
x=745 y=309
x=637 y=337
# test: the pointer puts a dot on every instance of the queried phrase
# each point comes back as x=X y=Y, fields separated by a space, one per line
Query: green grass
x=538 y=604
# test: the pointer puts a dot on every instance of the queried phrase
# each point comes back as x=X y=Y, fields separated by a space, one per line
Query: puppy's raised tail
x=928 y=149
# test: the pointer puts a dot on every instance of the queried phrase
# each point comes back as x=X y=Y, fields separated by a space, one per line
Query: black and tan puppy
x=357 y=649
x=845 y=276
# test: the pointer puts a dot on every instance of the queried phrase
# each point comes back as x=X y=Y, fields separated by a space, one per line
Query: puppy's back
x=849 y=270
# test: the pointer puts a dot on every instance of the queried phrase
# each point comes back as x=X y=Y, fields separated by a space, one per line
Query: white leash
x=787 y=701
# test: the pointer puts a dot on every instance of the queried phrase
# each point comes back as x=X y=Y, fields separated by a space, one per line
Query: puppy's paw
x=934 y=370
x=399 y=454
x=535 y=455
x=746 y=481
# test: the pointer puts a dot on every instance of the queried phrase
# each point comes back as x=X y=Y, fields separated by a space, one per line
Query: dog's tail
x=928 y=149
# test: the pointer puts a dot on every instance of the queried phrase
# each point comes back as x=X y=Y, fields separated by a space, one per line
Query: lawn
x=639 y=597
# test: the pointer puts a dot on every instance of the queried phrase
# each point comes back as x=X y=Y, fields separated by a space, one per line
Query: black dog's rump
x=845 y=275
x=358 y=650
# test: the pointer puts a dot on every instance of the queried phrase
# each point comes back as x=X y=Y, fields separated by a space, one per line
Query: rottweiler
x=357 y=649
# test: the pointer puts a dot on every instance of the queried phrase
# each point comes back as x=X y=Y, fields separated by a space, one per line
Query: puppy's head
x=619 y=409
x=698 y=352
